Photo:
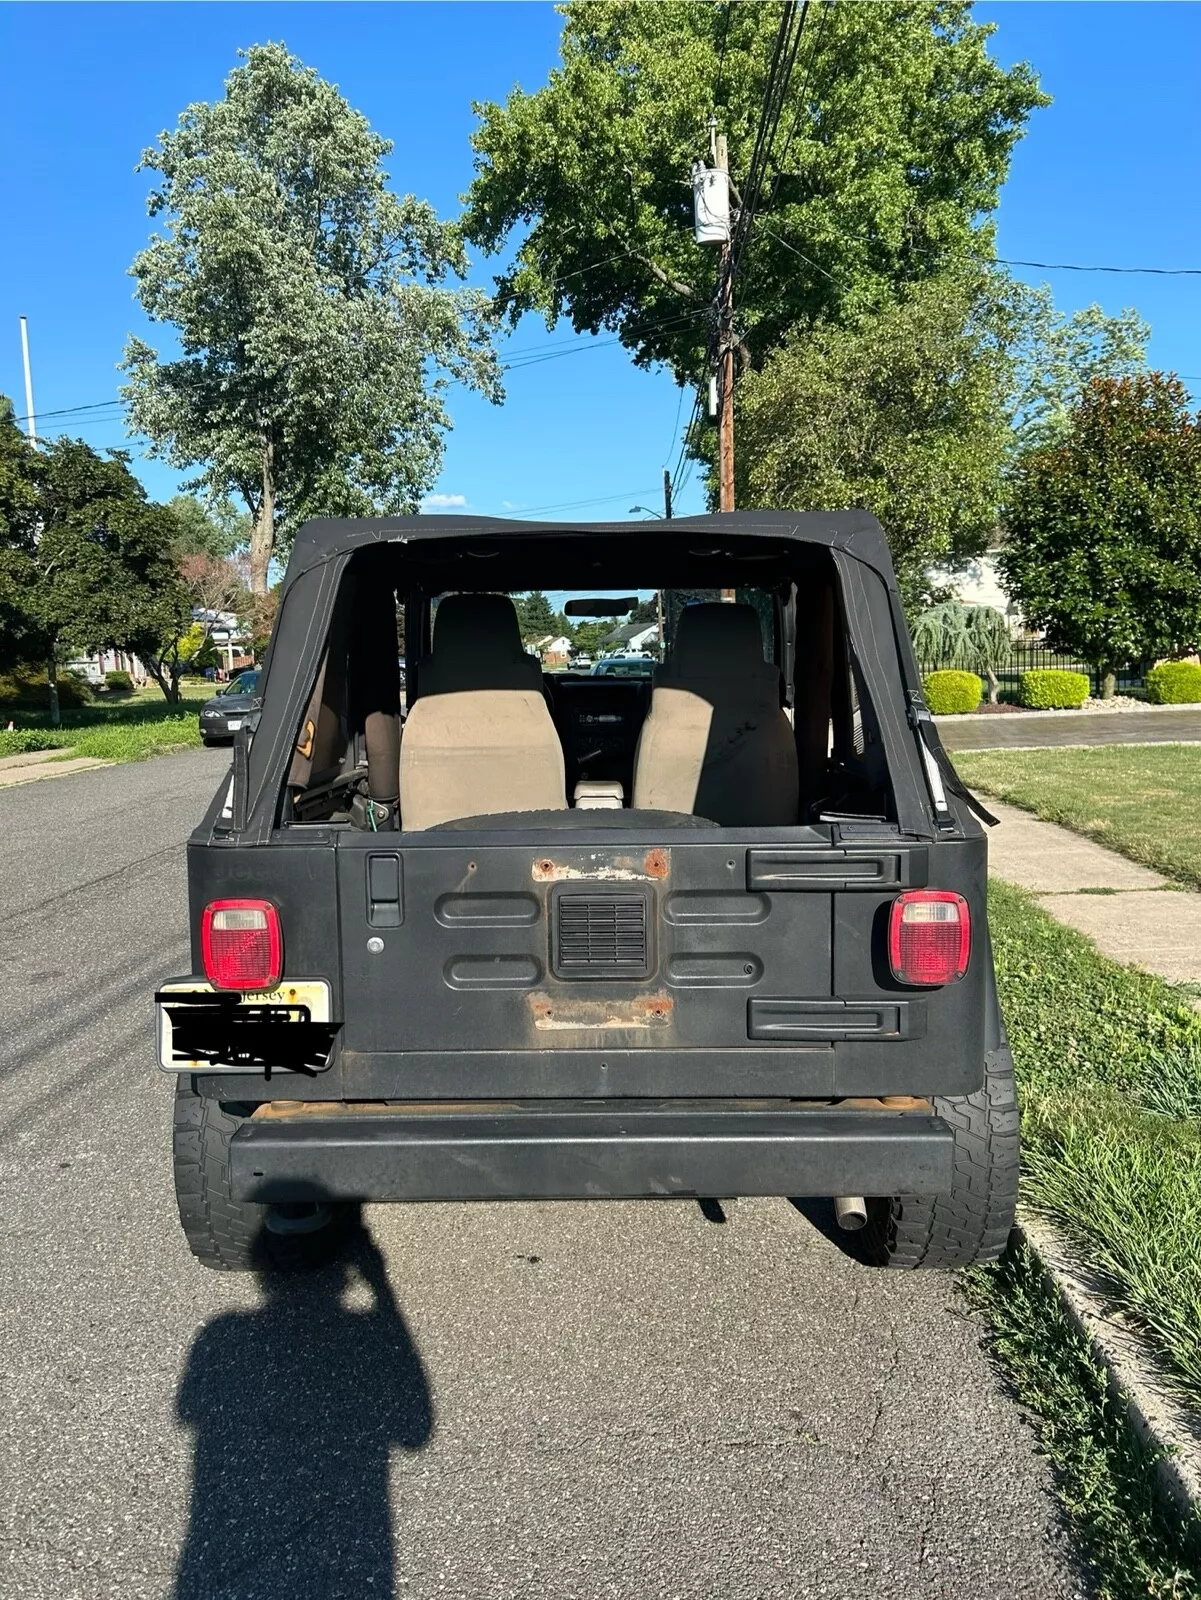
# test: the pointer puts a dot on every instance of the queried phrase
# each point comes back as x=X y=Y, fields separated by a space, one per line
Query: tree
x=19 y=474
x=535 y=615
x=215 y=590
x=894 y=138
x=317 y=335
x=1056 y=355
x=963 y=637
x=588 y=635
x=902 y=413
x=92 y=566
x=215 y=530
x=1103 y=531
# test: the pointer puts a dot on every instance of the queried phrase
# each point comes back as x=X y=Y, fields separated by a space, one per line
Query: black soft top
x=857 y=533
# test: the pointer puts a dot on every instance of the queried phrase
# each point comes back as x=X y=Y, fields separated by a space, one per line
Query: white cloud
x=443 y=502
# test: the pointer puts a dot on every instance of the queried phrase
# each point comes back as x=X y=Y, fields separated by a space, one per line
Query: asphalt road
x=551 y=1401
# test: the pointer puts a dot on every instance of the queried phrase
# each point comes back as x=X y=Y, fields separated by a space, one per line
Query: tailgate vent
x=601 y=936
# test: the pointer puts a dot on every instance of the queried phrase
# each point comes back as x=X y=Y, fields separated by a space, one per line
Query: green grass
x=129 y=729
x=1138 y=799
x=1104 y=1477
x=1109 y=1074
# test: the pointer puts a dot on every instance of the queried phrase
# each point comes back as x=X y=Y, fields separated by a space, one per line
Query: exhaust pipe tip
x=850 y=1212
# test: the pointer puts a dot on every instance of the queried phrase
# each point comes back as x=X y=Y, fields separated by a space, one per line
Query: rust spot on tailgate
x=567 y=1012
x=603 y=866
x=657 y=863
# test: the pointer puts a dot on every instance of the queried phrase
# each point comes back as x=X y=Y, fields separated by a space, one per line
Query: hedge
x=948 y=692
x=25 y=689
x=118 y=681
x=1049 y=689
x=1174 y=683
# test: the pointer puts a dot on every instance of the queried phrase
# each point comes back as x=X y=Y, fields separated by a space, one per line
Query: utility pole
x=725 y=356
x=666 y=495
x=30 y=424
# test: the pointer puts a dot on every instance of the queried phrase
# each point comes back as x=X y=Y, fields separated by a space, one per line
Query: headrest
x=477 y=645
x=715 y=639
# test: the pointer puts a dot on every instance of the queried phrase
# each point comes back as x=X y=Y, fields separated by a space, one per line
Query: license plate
x=202 y=1029
x=233 y=724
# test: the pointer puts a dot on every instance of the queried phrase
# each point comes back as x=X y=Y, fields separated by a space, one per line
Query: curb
x=1159 y=1419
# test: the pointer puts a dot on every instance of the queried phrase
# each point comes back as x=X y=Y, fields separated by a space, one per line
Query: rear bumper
x=515 y=1152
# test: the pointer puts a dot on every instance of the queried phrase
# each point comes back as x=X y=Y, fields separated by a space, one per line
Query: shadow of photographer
x=296 y=1407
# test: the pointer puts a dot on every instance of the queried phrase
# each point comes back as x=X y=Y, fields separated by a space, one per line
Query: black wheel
x=239 y=1235
x=972 y=1222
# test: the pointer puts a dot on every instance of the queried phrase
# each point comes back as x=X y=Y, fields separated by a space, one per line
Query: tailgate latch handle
x=385 y=904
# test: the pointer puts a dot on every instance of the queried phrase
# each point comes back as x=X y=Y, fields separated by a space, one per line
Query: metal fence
x=1026 y=658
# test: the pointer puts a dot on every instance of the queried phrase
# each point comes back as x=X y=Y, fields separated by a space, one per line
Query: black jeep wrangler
x=719 y=932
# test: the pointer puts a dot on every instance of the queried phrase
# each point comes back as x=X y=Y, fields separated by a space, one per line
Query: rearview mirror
x=601 y=608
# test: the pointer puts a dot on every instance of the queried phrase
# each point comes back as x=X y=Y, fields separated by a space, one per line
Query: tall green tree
x=19 y=475
x=902 y=413
x=215 y=530
x=894 y=138
x=1103 y=531
x=1056 y=354
x=317 y=334
x=535 y=615
x=92 y=567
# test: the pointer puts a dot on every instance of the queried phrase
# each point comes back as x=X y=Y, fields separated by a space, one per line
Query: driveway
x=552 y=1401
x=1001 y=730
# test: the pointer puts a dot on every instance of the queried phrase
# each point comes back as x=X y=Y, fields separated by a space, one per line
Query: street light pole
x=30 y=423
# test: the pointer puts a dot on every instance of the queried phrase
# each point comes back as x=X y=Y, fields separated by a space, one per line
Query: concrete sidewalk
x=34 y=764
x=1133 y=914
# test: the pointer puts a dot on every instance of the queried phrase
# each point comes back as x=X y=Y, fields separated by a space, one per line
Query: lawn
x=127 y=728
x=1109 y=1076
x=1139 y=799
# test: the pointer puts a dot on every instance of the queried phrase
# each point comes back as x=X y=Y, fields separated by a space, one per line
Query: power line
x=821 y=28
x=721 y=59
x=775 y=92
x=576 y=505
x=661 y=324
x=1071 y=266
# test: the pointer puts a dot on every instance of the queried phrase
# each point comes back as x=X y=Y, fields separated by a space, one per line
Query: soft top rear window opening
x=794 y=559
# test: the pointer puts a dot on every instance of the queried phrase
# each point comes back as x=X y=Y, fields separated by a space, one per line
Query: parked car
x=460 y=965
x=237 y=704
x=624 y=667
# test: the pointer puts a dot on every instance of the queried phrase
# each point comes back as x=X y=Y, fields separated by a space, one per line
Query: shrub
x=1174 y=683
x=21 y=740
x=119 y=682
x=1049 y=689
x=25 y=689
x=948 y=692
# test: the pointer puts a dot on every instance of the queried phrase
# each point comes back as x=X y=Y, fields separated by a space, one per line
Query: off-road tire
x=972 y=1222
x=223 y=1233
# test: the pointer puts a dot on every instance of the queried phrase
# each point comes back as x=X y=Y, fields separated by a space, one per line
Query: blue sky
x=1108 y=174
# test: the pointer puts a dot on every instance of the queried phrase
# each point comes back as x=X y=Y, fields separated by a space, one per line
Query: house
x=553 y=650
x=631 y=639
x=978 y=583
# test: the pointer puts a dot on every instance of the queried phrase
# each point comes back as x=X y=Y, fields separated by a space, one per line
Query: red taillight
x=240 y=944
x=929 y=936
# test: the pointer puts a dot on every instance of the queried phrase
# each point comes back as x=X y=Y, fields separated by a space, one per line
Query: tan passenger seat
x=717 y=742
x=479 y=738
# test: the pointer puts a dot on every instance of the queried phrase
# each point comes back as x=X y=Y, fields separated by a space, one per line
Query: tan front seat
x=479 y=738
x=717 y=741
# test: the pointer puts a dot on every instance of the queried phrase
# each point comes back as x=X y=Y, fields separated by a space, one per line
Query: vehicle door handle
x=385 y=902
